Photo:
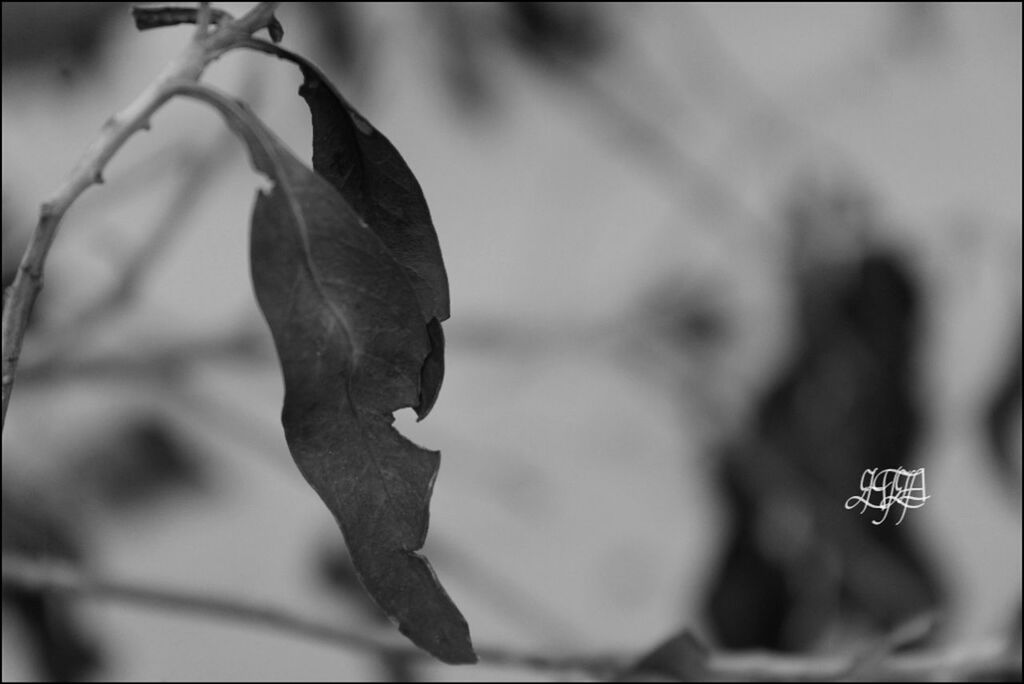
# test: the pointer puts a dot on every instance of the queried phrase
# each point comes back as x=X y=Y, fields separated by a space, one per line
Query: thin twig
x=960 y=663
x=158 y=363
x=55 y=576
x=171 y=366
x=680 y=172
x=20 y=297
x=994 y=658
x=913 y=630
x=709 y=193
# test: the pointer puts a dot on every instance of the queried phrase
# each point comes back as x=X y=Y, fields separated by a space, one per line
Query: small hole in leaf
x=264 y=183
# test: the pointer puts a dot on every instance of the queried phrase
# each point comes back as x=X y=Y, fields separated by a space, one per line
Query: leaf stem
x=20 y=297
x=202 y=20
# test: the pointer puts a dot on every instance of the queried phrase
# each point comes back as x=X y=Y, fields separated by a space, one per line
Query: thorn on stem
x=34 y=273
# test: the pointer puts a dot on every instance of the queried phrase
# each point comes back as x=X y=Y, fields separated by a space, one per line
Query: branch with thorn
x=205 y=47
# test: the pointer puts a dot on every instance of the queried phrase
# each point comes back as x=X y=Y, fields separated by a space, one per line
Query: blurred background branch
x=994 y=659
x=49 y=576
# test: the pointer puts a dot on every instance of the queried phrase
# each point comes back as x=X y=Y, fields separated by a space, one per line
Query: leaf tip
x=469 y=658
x=451 y=644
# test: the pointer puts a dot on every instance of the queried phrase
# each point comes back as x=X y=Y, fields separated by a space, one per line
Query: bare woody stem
x=20 y=297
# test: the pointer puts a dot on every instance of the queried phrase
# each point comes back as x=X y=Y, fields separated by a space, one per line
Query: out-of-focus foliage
x=796 y=568
x=544 y=30
x=339 y=34
x=139 y=463
x=548 y=36
x=64 y=645
x=1003 y=415
x=64 y=36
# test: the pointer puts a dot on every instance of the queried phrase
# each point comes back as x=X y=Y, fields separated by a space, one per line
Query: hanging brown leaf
x=363 y=165
x=350 y=334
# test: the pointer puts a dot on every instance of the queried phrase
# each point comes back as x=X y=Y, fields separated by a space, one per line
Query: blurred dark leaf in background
x=64 y=645
x=797 y=565
x=1003 y=414
x=692 y=316
x=140 y=463
x=546 y=31
x=461 y=50
x=64 y=37
x=338 y=35
x=917 y=27
x=554 y=38
x=751 y=597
